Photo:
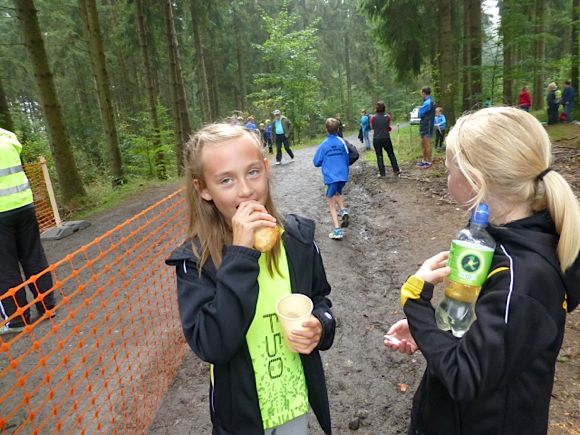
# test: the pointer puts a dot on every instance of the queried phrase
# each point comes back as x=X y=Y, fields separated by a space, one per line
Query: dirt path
x=395 y=223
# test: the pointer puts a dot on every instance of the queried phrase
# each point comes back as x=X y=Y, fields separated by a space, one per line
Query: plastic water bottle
x=470 y=258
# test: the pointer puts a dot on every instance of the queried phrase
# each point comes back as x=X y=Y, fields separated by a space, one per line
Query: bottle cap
x=481 y=215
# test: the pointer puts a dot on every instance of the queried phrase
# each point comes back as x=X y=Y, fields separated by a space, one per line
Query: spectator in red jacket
x=525 y=100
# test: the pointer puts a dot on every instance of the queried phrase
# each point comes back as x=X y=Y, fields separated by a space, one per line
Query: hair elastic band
x=542 y=174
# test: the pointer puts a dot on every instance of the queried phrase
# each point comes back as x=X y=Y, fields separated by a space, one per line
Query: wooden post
x=50 y=190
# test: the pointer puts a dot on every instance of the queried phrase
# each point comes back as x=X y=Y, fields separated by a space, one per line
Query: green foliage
x=292 y=85
x=405 y=28
x=406 y=143
x=136 y=140
x=102 y=196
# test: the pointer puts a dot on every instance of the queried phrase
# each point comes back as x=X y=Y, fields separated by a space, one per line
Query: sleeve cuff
x=411 y=289
x=328 y=322
x=415 y=288
x=243 y=251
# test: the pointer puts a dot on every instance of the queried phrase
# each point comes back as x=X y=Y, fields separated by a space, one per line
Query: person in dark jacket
x=227 y=291
x=567 y=100
x=553 y=102
x=381 y=124
x=498 y=377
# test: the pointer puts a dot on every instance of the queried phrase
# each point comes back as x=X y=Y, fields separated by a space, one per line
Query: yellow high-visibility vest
x=15 y=190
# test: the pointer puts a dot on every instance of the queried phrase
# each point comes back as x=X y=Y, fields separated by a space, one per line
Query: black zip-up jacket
x=217 y=309
x=498 y=378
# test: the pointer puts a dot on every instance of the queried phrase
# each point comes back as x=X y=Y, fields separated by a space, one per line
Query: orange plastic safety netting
x=105 y=361
x=44 y=212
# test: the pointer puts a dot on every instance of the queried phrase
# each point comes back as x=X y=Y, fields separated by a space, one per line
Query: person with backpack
x=332 y=157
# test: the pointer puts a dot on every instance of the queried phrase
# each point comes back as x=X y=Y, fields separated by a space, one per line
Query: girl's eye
x=226 y=181
x=254 y=172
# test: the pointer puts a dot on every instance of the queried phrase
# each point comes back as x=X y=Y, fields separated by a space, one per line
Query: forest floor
x=396 y=224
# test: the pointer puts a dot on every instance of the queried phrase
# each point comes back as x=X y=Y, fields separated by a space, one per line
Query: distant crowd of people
x=278 y=132
x=555 y=99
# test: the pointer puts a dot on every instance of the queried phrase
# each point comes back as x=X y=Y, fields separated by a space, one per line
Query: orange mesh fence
x=44 y=212
x=105 y=361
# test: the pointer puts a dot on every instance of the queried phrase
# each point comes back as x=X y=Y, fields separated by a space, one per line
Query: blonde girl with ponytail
x=498 y=377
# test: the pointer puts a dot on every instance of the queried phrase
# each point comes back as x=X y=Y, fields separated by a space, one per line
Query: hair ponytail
x=565 y=212
x=515 y=170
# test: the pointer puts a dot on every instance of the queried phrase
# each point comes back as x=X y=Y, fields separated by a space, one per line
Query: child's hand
x=249 y=216
x=305 y=341
x=434 y=269
x=399 y=338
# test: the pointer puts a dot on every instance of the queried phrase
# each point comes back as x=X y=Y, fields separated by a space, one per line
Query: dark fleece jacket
x=217 y=308
x=498 y=378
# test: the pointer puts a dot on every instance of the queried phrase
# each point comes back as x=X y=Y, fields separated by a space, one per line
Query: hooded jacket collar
x=537 y=233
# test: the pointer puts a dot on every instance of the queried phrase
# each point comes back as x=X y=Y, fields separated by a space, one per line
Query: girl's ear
x=267 y=166
x=202 y=190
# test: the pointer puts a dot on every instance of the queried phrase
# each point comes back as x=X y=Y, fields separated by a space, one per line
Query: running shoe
x=336 y=234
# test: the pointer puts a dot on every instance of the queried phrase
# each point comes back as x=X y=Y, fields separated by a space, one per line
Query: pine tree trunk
x=182 y=128
x=214 y=88
x=196 y=20
x=241 y=78
x=95 y=44
x=508 y=52
x=575 y=46
x=466 y=58
x=126 y=96
x=446 y=44
x=68 y=177
x=348 y=76
x=539 y=55
x=5 y=117
x=160 y=167
x=475 y=51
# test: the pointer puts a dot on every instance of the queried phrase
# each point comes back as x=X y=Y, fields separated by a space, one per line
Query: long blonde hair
x=501 y=151
x=205 y=220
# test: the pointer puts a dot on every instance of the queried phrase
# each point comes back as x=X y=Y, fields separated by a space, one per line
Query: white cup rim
x=301 y=295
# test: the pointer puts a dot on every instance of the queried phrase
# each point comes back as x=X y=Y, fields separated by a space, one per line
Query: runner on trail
x=332 y=157
x=227 y=291
x=498 y=377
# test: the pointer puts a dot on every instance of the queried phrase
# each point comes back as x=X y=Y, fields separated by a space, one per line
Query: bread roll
x=265 y=237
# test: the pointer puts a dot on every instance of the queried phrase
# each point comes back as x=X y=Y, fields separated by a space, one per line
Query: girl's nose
x=245 y=190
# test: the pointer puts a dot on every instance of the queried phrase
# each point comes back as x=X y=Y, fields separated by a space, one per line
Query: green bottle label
x=469 y=262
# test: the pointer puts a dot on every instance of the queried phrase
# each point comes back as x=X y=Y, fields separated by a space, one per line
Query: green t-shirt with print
x=280 y=381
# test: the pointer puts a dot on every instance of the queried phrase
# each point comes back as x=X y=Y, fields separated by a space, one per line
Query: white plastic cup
x=293 y=310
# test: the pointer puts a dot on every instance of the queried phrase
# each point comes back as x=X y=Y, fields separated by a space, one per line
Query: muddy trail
x=396 y=223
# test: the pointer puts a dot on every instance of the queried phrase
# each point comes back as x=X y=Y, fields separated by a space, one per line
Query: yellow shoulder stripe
x=411 y=289
x=494 y=271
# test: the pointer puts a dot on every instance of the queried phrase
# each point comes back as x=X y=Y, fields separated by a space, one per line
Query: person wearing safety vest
x=20 y=244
